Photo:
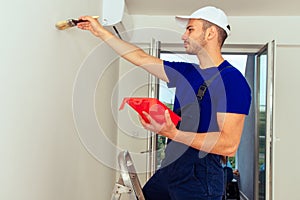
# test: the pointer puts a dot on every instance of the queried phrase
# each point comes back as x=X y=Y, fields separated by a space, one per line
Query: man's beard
x=194 y=48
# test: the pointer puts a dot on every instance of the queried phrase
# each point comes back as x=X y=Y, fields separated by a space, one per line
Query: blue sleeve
x=237 y=95
x=174 y=71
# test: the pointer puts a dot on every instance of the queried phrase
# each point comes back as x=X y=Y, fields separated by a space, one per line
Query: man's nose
x=184 y=36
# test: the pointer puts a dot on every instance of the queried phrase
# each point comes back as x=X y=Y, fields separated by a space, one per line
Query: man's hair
x=221 y=32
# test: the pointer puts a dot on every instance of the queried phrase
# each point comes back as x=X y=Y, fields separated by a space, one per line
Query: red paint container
x=152 y=106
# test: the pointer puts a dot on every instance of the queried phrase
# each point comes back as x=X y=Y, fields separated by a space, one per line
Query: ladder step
x=128 y=182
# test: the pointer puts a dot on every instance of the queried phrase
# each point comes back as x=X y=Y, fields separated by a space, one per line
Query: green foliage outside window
x=161 y=143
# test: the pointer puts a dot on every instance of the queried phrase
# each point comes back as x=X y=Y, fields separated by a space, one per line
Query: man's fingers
x=167 y=115
x=147 y=116
x=82 y=18
x=141 y=120
x=86 y=18
x=168 y=118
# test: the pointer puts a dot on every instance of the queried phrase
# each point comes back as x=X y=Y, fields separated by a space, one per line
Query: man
x=192 y=168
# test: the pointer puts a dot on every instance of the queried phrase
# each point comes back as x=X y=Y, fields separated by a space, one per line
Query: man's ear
x=211 y=33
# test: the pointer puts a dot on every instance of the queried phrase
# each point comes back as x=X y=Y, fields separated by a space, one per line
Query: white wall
x=286 y=123
x=41 y=154
x=245 y=30
x=133 y=82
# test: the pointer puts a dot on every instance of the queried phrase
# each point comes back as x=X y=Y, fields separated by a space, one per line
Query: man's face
x=194 y=37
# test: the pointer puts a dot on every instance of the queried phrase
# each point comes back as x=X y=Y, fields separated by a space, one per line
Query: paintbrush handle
x=76 y=21
x=62 y=25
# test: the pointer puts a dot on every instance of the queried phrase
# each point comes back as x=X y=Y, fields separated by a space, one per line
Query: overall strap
x=202 y=89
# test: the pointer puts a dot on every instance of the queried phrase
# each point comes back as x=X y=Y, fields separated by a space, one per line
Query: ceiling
x=231 y=7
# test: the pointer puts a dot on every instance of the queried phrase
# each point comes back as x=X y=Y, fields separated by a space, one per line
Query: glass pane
x=262 y=69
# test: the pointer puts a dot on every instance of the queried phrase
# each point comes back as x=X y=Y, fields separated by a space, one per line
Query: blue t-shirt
x=228 y=93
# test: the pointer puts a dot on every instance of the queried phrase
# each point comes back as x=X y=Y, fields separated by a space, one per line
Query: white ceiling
x=231 y=7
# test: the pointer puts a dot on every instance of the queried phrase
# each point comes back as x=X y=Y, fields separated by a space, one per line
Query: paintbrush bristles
x=62 y=25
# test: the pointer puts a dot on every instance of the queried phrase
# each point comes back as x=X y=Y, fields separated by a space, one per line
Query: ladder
x=128 y=182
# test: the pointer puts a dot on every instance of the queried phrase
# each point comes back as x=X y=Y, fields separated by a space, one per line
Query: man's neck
x=209 y=60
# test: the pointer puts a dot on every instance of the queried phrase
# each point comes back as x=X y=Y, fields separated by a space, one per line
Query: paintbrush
x=62 y=25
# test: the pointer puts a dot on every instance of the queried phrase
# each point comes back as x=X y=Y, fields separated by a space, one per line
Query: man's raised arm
x=128 y=51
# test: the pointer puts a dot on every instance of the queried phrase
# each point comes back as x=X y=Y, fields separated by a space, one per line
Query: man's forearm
x=212 y=142
x=136 y=55
x=126 y=50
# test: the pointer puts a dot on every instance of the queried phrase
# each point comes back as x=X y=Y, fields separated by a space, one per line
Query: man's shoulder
x=181 y=67
x=179 y=63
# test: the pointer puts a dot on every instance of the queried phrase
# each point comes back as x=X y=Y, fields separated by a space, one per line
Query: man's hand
x=167 y=129
x=92 y=25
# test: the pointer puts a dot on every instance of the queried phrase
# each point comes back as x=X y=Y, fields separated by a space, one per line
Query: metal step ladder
x=128 y=182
